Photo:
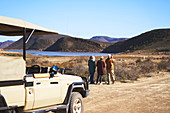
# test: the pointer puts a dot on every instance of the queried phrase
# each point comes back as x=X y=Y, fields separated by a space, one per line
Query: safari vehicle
x=36 y=89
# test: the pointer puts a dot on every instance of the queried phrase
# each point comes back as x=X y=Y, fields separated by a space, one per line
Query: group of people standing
x=101 y=64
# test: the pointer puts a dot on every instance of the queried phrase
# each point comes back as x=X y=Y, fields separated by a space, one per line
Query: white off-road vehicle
x=36 y=89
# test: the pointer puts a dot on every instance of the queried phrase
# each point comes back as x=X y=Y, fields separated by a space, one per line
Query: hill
x=59 y=43
x=38 y=42
x=155 y=40
x=107 y=39
x=72 y=44
x=6 y=43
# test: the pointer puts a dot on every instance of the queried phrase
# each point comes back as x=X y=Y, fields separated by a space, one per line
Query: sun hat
x=109 y=55
x=93 y=58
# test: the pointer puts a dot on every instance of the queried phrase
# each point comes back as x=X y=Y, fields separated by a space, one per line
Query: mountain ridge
x=107 y=39
x=59 y=43
x=156 y=40
x=73 y=44
x=37 y=42
x=6 y=44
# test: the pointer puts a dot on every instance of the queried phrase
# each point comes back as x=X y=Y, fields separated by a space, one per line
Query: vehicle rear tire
x=76 y=103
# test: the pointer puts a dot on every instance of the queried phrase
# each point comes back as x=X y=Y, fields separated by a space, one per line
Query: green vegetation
x=11 y=54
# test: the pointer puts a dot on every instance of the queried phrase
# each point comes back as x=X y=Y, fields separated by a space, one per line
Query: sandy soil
x=147 y=95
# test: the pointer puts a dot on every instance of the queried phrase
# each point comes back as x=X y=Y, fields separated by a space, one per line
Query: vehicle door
x=46 y=91
x=29 y=92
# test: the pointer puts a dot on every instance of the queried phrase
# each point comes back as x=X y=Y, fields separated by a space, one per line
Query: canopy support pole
x=30 y=36
x=25 y=40
x=24 y=50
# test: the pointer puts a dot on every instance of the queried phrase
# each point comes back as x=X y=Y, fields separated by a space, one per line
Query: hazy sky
x=88 y=18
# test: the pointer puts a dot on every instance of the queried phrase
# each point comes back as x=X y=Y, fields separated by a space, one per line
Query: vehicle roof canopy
x=14 y=27
x=12 y=68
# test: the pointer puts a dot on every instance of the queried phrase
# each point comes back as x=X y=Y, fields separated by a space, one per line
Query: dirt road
x=147 y=95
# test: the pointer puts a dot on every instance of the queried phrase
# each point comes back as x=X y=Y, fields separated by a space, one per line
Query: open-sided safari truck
x=39 y=89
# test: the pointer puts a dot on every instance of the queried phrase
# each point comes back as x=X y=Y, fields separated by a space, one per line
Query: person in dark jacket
x=100 y=70
x=92 y=67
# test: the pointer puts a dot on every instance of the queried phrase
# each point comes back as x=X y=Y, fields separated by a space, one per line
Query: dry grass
x=127 y=67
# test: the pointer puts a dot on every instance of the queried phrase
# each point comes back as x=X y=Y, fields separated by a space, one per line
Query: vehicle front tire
x=76 y=103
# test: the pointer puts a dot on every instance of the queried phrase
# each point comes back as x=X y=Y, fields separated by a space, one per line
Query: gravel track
x=147 y=95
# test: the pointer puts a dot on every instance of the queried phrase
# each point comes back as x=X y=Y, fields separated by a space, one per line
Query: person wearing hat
x=100 y=69
x=110 y=68
x=92 y=67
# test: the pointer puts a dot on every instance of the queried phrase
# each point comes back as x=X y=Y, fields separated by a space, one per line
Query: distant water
x=51 y=53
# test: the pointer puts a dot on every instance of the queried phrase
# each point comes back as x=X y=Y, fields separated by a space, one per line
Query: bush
x=46 y=63
x=138 y=61
x=163 y=65
x=123 y=73
x=32 y=61
x=80 y=70
x=133 y=72
x=147 y=66
x=38 y=61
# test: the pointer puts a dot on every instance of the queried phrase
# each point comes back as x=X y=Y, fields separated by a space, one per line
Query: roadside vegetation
x=126 y=68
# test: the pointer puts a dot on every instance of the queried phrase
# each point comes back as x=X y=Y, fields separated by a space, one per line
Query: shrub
x=32 y=61
x=38 y=61
x=46 y=63
x=147 y=66
x=126 y=72
x=163 y=65
x=138 y=61
x=133 y=74
x=123 y=73
x=80 y=70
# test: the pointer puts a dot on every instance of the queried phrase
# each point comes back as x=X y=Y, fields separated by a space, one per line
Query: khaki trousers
x=110 y=74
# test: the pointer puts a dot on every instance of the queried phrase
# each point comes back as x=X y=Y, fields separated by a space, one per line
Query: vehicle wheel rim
x=77 y=106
